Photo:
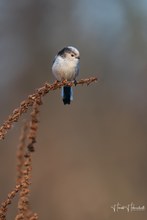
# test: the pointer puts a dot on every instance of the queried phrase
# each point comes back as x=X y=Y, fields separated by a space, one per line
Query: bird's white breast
x=65 y=69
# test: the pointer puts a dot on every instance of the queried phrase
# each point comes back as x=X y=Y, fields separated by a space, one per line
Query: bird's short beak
x=78 y=58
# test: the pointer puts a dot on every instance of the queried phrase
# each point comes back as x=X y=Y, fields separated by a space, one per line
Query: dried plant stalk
x=24 y=165
x=20 y=158
x=8 y=201
x=24 y=211
x=21 y=153
x=34 y=125
x=32 y=99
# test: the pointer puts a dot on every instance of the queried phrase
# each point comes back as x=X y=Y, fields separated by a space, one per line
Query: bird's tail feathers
x=67 y=94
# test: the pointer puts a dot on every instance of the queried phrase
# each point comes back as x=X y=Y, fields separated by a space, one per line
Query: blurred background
x=91 y=154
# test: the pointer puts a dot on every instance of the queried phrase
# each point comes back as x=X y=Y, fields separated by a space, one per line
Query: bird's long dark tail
x=67 y=94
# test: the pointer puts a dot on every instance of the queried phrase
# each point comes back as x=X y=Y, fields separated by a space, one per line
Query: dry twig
x=20 y=164
x=34 y=125
x=21 y=152
x=8 y=201
x=24 y=105
x=25 y=168
x=24 y=211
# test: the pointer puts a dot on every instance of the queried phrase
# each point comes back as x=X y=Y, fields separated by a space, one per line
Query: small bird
x=66 y=67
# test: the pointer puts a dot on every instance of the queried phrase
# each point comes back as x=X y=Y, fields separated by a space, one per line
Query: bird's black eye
x=72 y=55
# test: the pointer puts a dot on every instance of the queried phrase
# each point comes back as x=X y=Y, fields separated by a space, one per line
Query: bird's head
x=70 y=53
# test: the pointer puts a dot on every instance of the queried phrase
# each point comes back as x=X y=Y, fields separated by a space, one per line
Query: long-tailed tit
x=66 y=67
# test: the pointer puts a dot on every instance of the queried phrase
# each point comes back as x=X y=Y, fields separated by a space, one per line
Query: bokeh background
x=91 y=154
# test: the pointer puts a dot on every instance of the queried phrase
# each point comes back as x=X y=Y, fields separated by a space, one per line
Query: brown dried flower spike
x=24 y=105
x=26 y=147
